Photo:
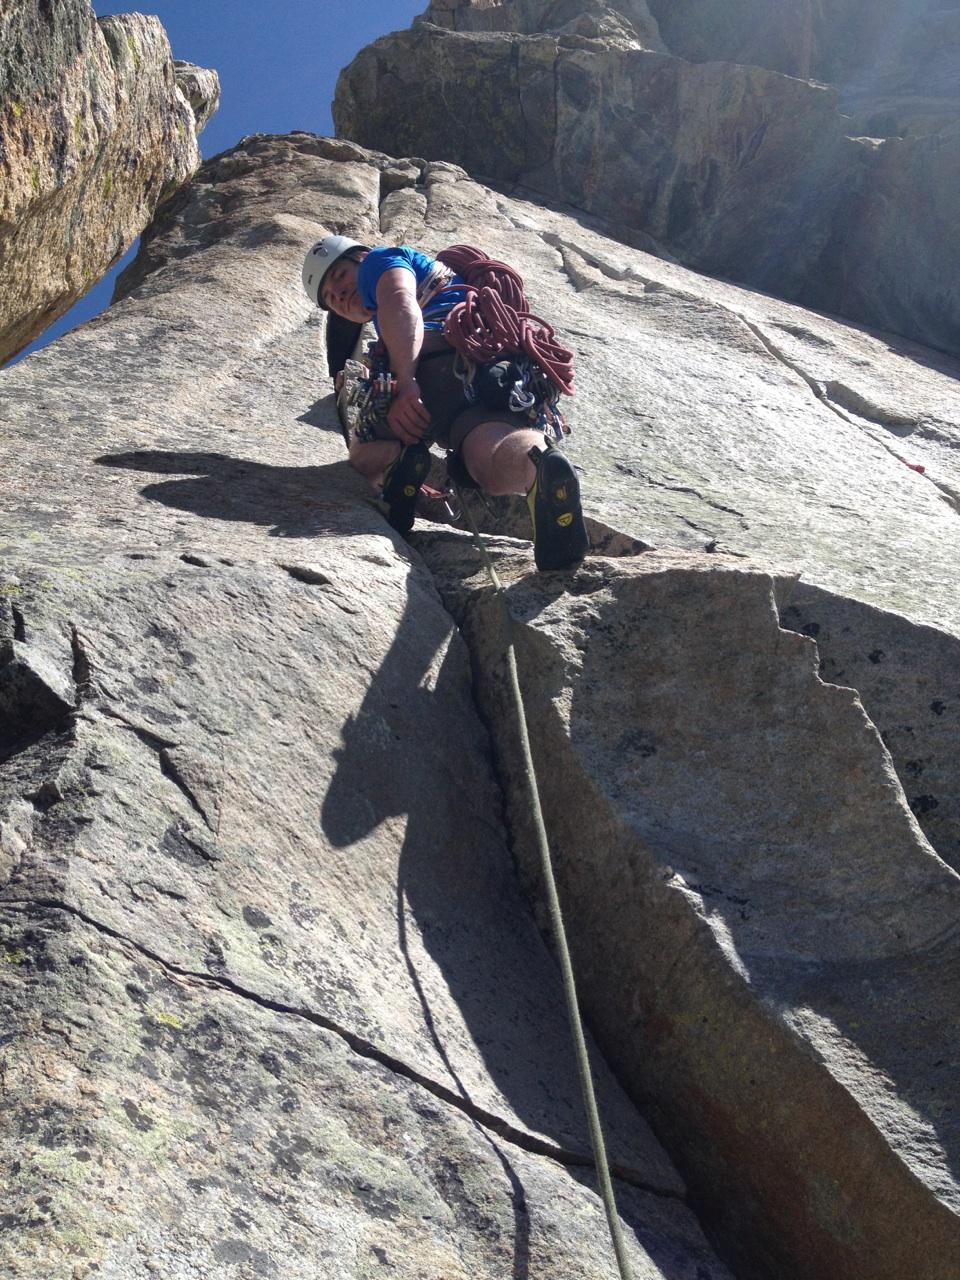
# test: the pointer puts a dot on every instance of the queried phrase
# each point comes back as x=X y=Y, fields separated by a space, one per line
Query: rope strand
x=601 y=1162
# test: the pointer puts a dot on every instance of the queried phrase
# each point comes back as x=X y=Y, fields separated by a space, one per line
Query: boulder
x=273 y=1002
x=738 y=171
x=95 y=130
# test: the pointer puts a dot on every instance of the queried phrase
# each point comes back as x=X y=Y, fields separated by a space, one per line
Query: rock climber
x=408 y=296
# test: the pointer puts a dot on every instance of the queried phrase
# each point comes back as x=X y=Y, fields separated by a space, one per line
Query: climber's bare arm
x=401 y=327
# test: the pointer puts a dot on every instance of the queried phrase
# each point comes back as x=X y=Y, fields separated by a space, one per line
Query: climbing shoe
x=401 y=485
x=559 y=536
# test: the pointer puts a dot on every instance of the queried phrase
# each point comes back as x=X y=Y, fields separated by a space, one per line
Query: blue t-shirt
x=378 y=261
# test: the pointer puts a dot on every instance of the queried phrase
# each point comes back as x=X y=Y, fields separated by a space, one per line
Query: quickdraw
x=370 y=398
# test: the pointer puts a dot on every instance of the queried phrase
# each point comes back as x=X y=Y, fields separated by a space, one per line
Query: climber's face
x=339 y=291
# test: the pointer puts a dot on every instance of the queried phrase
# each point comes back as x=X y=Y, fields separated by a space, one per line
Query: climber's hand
x=408 y=418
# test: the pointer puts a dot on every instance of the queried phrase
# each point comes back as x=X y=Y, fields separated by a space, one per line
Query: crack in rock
x=570 y=251
x=685 y=489
x=170 y=767
x=844 y=402
x=364 y=1048
x=147 y=734
x=82 y=666
x=186 y=769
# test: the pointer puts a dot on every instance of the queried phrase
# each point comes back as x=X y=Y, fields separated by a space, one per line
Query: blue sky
x=278 y=67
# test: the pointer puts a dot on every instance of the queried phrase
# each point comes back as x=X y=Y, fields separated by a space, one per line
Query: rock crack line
x=823 y=394
x=362 y=1047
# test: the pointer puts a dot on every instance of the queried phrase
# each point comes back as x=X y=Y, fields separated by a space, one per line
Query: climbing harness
x=504 y=351
x=507 y=358
x=556 y=918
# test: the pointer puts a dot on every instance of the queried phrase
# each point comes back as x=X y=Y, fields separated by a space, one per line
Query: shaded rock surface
x=737 y=170
x=272 y=805
x=96 y=128
x=894 y=62
x=273 y=1000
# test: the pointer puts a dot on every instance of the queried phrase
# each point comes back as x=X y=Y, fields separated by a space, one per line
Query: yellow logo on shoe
x=565 y=519
x=560 y=493
x=410 y=490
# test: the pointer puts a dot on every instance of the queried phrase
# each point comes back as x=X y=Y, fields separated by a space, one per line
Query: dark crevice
x=303 y=573
x=149 y=737
x=496 y=1124
x=19 y=625
x=82 y=667
x=169 y=770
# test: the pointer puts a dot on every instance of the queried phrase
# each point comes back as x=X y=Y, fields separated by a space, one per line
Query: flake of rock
x=95 y=132
x=731 y=842
x=201 y=88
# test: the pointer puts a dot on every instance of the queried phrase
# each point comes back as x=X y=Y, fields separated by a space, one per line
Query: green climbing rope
x=556 y=918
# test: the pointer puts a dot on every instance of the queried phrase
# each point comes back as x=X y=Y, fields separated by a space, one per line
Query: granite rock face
x=629 y=24
x=96 y=128
x=254 y=852
x=894 y=62
x=272 y=998
x=736 y=170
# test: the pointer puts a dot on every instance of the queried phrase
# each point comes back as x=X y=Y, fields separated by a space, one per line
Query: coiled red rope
x=494 y=318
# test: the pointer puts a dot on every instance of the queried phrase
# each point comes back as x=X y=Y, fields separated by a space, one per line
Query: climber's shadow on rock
x=415 y=748
x=291 y=502
x=322 y=414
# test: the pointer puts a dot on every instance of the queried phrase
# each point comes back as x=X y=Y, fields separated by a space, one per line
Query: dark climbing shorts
x=452 y=417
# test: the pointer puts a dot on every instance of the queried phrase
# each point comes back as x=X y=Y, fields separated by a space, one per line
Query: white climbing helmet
x=321 y=258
